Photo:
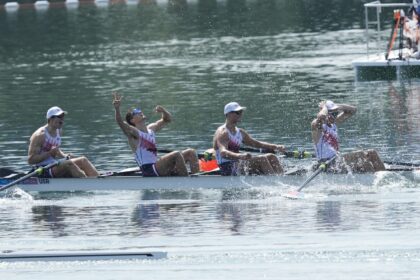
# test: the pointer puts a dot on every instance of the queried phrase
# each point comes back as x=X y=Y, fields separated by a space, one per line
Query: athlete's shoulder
x=39 y=132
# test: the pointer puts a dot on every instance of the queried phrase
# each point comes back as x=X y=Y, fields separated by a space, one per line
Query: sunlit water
x=277 y=59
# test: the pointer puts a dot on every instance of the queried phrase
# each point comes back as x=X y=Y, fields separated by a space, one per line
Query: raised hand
x=159 y=109
x=116 y=100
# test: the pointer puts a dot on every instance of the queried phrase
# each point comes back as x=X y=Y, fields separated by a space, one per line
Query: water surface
x=278 y=58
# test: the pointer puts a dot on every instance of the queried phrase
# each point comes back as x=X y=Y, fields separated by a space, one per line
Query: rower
x=326 y=141
x=141 y=138
x=227 y=141
x=44 y=149
x=411 y=30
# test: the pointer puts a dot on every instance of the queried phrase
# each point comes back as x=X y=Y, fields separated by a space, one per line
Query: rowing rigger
x=10 y=256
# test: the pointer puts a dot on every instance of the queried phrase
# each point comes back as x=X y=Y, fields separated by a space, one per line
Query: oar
x=37 y=171
x=411 y=164
x=294 y=194
x=165 y=151
x=289 y=154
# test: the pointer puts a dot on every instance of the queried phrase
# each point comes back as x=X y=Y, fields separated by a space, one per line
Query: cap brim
x=59 y=114
x=240 y=109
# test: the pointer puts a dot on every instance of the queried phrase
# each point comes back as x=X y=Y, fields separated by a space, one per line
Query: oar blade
x=293 y=194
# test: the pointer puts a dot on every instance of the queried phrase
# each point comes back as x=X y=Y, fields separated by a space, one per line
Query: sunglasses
x=58 y=117
x=238 y=112
x=136 y=112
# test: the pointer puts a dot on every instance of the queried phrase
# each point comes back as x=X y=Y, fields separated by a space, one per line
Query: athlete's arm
x=316 y=124
x=128 y=130
x=345 y=112
x=249 y=141
x=165 y=119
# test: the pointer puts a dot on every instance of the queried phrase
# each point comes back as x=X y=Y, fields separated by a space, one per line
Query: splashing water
x=18 y=194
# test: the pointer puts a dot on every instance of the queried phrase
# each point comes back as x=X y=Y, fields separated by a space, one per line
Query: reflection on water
x=49 y=218
x=97 y=216
x=328 y=214
x=405 y=113
x=146 y=217
x=231 y=216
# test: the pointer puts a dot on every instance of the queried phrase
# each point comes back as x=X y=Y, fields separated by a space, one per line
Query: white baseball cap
x=55 y=111
x=331 y=106
x=233 y=107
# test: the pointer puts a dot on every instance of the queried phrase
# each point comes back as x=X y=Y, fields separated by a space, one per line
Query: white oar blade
x=293 y=194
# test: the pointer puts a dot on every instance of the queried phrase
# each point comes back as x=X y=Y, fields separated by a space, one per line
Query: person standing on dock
x=325 y=138
x=227 y=141
x=411 y=30
x=141 y=138
x=44 y=149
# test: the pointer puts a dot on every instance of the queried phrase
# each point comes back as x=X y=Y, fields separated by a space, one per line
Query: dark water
x=278 y=58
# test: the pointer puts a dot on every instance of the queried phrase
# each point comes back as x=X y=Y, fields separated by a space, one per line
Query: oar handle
x=299 y=154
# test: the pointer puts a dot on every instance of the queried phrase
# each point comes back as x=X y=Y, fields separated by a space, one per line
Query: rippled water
x=278 y=58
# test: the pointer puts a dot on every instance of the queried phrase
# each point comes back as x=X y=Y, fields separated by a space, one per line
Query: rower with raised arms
x=326 y=141
x=227 y=141
x=44 y=149
x=141 y=138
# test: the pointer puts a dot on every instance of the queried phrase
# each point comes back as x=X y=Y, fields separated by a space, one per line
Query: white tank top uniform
x=230 y=166
x=49 y=143
x=146 y=153
x=328 y=144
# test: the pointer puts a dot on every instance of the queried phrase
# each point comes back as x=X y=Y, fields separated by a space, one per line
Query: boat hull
x=203 y=182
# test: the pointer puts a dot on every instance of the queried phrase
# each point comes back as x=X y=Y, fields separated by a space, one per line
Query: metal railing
x=377 y=22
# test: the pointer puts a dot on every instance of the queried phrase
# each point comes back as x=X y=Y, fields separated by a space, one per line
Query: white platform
x=374 y=65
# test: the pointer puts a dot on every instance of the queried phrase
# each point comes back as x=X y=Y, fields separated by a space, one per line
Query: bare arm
x=249 y=141
x=316 y=130
x=316 y=125
x=345 y=112
x=128 y=130
x=165 y=119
